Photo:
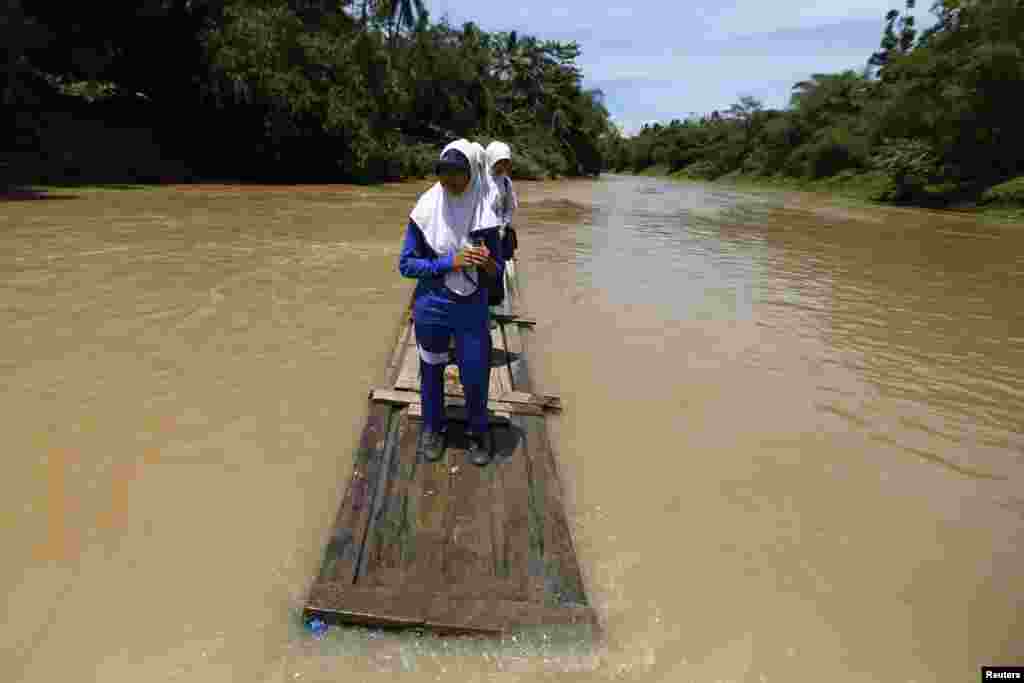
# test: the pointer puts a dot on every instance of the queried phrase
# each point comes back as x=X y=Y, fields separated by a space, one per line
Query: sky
x=657 y=60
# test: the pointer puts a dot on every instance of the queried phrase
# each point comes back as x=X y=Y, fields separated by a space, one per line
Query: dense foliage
x=931 y=116
x=296 y=90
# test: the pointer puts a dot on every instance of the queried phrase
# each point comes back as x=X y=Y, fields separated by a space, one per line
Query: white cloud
x=630 y=128
x=703 y=19
x=737 y=69
x=683 y=86
x=755 y=16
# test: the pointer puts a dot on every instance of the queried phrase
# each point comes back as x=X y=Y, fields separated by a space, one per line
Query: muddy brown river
x=793 y=440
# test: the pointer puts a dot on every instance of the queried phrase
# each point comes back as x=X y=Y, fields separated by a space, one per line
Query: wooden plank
x=389 y=607
x=512 y=307
x=388 y=541
x=450 y=614
x=452 y=380
x=515 y=318
x=513 y=342
x=384 y=477
x=373 y=606
x=563 y=582
x=454 y=390
x=529 y=404
x=541 y=400
x=429 y=498
x=510 y=488
x=478 y=515
x=499 y=408
x=469 y=556
x=458 y=413
x=501 y=378
x=498 y=517
x=405 y=335
x=341 y=557
x=511 y=282
x=518 y=341
x=409 y=375
x=507 y=354
x=536 y=512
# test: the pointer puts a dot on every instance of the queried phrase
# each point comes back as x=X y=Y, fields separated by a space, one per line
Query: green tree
x=401 y=14
x=749 y=114
x=291 y=89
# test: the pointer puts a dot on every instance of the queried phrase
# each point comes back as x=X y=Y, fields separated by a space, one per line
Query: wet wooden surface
x=449 y=545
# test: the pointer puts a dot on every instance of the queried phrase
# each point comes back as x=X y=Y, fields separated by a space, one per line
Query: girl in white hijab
x=501 y=201
x=445 y=249
x=503 y=198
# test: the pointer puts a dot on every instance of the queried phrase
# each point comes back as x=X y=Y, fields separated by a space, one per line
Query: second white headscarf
x=499 y=200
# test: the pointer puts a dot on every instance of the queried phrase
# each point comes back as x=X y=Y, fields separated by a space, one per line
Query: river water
x=793 y=440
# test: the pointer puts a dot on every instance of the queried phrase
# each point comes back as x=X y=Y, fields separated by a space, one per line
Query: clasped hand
x=474 y=256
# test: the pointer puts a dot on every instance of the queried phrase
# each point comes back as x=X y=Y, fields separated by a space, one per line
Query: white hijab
x=480 y=157
x=496 y=151
x=499 y=201
x=446 y=219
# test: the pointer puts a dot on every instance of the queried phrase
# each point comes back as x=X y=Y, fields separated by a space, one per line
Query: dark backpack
x=495 y=285
x=510 y=243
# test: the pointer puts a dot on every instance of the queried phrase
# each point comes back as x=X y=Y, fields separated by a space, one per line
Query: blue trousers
x=473 y=351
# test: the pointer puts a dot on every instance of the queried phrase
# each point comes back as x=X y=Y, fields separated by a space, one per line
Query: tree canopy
x=295 y=89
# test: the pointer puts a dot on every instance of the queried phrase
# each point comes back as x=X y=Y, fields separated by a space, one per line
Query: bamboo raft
x=450 y=546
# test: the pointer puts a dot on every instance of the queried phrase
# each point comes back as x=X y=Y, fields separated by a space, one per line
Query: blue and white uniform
x=446 y=302
x=502 y=202
x=501 y=196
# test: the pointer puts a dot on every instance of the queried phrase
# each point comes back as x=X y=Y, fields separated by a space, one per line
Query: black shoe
x=431 y=445
x=479 y=452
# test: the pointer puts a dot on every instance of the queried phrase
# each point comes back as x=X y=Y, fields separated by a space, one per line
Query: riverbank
x=1003 y=202
x=524 y=170
x=331 y=192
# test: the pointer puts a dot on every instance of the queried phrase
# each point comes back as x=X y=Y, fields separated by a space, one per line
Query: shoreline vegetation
x=860 y=189
x=369 y=91
x=279 y=91
x=929 y=122
x=1000 y=202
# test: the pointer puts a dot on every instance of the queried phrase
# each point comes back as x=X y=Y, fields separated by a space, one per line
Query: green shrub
x=417 y=159
x=524 y=167
x=84 y=150
x=552 y=160
x=910 y=164
x=704 y=169
x=1010 y=192
x=832 y=151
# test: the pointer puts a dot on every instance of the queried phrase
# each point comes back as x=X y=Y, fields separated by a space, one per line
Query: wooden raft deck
x=450 y=546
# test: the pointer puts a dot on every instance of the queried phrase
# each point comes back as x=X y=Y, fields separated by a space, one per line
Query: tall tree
x=401 y=14
x=898 y=36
